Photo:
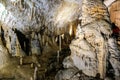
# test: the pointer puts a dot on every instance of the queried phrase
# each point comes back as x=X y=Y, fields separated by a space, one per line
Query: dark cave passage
x=2 y=36
x=24 y=42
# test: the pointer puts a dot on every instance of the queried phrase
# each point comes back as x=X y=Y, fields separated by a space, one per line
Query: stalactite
x=21 y=5
x=70 y=29
x=60 y=42
x=43 y=39
x=32 y=10
x=35 y=44
x=56 y=39
x=31 y=13
x=8 y=45
x=24 y=43
x=18 y=48
x=63 y=36
x=53 y=39
x=33 y=35
x=3 y=2
x=40 y=38
x=46 y=43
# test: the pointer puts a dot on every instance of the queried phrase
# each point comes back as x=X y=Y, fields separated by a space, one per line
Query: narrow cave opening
x=2 y=36
x=110 y=71
x=24 y=42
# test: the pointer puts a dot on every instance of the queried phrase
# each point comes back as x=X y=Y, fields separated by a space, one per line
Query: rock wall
x=43 y=28
x=36 y=22
x=92 y=48
x=36 y=15
x=4 y=56
x=115 y=13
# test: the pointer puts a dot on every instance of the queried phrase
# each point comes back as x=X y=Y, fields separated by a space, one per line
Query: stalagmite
x=21 y=4
x=58 y=56
x=21 y=60
x=60 y=42
x=31 y=78
x=35 y=73
x=32 y=65
x=43 y=40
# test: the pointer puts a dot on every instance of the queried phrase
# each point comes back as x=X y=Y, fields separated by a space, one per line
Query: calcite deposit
x=57 y=40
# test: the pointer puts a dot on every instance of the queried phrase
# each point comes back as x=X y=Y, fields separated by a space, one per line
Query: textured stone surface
x=67 y=74
x=36 y=30
x=35 y=15
x=4 y=56
x=115 y=13
x=28 y=31
x=93 y=46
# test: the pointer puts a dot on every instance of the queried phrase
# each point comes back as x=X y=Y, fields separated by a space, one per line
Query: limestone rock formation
x=37 y=15
x=4 y=57
x=36 y=35
x=115 y=13
x=38 y=19
x=93 y=46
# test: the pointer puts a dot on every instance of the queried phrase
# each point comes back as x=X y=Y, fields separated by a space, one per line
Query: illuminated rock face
x=31 y=28
x=89 y=53
x=94 y=52
x=4 y=58
x=37 y=21
x=92 y=48
x=36 y=15
x=115 y=13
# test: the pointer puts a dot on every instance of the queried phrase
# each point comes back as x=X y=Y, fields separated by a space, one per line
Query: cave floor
x=42 y=67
